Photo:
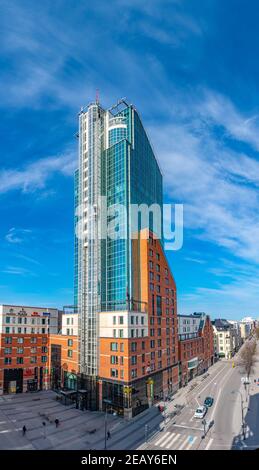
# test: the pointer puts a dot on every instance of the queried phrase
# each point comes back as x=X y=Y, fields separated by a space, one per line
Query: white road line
x=184 y=443
x=217 y=400
x=168 y=446
x=191 y=443
x=157 y=443
x=187 y=427
x=163 y=444
x=204 y=388
x=209 y=444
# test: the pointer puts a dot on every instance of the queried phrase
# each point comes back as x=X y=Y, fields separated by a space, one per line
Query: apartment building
x=24 y=347
x=224 y=339
x=196 y=346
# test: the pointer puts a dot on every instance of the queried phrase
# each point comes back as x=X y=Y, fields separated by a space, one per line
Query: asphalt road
x=185 y=432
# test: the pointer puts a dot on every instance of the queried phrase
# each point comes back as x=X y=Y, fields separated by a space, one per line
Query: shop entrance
x=32 y=385
x=13 y=381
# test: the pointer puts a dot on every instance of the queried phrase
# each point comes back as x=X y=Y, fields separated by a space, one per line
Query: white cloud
x=15 y=235
x=35 y=175
x=18 y=271
x=218 y=186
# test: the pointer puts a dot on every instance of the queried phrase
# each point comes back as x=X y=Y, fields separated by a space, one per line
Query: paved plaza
x=75 y=431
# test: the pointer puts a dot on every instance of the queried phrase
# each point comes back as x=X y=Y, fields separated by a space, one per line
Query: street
x=186 y=432
x=151 y=429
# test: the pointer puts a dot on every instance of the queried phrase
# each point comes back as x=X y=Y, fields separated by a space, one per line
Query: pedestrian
x=108 y=435
x=24 y=429
x=56 y=422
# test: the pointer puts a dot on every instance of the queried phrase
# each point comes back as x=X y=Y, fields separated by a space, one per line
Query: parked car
x=200 y=412
x=208 y=402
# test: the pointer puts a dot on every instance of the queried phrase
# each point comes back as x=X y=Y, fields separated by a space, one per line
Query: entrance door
x=32 y=385
x=13 y=380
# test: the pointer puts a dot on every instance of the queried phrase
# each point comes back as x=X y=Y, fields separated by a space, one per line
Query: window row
x=20 y=360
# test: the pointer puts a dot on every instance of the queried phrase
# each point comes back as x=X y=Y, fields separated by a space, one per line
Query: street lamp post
x=164 y=413
x=107 y=402
x=242 y=413
x=146 y=432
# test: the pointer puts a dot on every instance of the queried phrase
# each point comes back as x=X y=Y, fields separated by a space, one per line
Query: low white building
x=224 y=342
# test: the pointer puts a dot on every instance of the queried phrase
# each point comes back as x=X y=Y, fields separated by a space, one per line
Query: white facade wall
x=225 y=343
x=28 y=320
x=70 y=324
x=123 y=324
x=188 y=324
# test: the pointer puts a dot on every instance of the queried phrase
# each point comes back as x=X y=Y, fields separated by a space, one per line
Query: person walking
x=108 y=435
x=24 y=429
x=56 y=422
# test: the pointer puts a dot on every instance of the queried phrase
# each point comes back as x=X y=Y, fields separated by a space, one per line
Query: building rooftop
x=221 y=324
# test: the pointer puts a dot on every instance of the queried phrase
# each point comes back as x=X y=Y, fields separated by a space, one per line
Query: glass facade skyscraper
x=116 y=161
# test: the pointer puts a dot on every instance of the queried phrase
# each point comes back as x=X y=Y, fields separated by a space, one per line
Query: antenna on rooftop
x=97 y=96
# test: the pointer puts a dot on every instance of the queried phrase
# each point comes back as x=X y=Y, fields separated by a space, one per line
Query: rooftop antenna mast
x=97 y=96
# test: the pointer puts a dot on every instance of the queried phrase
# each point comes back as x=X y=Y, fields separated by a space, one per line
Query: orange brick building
x=139 y=347
x=196 y=350
x=24 y=347
x=63 y=361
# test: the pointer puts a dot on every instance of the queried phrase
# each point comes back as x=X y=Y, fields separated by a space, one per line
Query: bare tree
x=247 y=357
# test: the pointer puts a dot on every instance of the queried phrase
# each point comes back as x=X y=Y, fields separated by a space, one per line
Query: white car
x=245 y=380
x=200 y=412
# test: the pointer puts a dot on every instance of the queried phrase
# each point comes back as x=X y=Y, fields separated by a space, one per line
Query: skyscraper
x=118 y=311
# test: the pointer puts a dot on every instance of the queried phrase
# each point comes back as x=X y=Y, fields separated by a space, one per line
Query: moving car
x=200 y=412
x=208 y=401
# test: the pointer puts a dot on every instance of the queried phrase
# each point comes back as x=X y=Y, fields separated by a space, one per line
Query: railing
x=128 y=304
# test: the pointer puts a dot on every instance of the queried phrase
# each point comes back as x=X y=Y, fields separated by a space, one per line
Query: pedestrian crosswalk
x=176 y=441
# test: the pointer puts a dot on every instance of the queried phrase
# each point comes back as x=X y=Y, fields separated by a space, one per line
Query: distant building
x=196 y=352
x=237 y=338
x=224 y=338
x=24 y=347
x=245 y=330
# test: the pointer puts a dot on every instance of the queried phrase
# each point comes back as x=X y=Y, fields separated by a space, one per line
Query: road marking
x=220 y=390
x=215 y=406
x=204 y=388
x=162 y=438
x=209 y=444
x=163 y=444
x=187 y=427
x=191 y=443
x=184 y=442
x=168 y=446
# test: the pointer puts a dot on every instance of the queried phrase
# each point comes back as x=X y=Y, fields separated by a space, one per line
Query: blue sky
x=191 y=69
